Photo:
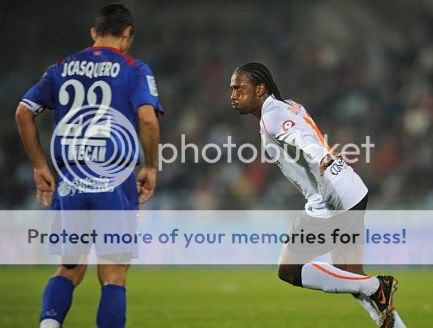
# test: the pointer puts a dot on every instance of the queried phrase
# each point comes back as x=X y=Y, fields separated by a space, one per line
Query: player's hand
x=146 y=183
x=327 y=161
x=45 y=183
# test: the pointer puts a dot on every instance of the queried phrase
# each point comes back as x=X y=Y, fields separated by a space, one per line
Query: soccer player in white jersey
x=328 y=183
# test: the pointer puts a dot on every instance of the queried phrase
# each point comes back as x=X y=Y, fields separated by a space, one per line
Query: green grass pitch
x=213 y=297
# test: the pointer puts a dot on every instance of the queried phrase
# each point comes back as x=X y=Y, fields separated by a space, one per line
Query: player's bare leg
x=75 y=273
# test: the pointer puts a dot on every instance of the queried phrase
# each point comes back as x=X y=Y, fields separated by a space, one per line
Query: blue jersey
x=76 y=86
x=82 y=89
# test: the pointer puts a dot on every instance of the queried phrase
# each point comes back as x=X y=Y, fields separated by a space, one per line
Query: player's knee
x=112 y=275
x=290 y=273
x=114 y=280
x=73 y=272
x=70 y=266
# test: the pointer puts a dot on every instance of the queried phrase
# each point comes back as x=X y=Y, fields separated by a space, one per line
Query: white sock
x=330 y=279
x=368 y=306
x=398 y=323
x=49 y=323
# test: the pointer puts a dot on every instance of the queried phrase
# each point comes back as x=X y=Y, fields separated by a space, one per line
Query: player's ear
x=93 y=33
x=127 y=32
x=260 y=89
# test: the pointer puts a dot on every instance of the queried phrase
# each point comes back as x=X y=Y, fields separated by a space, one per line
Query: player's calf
x=74 y=273
x=328 y=278
x=354 y=268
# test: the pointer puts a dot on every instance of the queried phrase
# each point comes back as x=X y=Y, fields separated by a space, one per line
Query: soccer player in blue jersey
x=105 y=75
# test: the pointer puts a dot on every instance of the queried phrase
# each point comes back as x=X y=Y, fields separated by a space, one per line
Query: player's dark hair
x=113 y=19
x=260 y=74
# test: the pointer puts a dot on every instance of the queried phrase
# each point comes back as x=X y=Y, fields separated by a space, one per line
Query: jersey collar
x=113 y=49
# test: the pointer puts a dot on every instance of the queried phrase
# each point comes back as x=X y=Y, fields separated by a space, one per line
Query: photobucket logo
x=94 y=148
x=229 y=151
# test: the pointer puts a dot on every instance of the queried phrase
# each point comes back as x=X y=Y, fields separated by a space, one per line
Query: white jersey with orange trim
x=292 y=139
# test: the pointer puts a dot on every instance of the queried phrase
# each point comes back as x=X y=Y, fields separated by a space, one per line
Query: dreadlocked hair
x=260 y=74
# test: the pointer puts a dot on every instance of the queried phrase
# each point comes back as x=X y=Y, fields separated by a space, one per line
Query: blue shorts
x=123 y=197
x=82 y=211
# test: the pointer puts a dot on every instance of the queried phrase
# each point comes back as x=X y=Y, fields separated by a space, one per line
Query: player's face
x=126 y=45
x=244 y=96
x=126 y=40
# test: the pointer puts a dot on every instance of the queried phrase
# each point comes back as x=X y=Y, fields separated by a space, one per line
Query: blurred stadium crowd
x=360 y=68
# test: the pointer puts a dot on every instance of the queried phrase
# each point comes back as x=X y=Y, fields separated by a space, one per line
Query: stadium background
x=360 y=67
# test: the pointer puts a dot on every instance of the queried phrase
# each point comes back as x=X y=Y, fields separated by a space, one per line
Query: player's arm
x=43 y=176
x=149 y=135
x=35 y=100
x=144 y=98
x=290 y=130
x=286 y=129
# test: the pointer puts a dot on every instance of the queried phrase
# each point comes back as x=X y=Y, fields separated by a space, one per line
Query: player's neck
x=109 y=42
x=258 y=112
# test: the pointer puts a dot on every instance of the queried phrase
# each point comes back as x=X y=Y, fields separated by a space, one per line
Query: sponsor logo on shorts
x=86 y=185
x=64 y=189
